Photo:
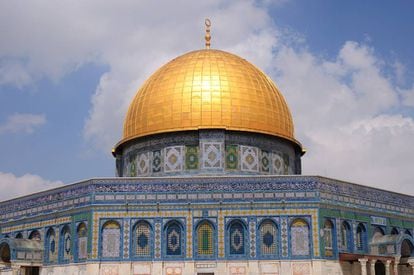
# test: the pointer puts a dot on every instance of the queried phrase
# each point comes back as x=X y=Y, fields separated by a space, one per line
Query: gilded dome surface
x=208 y=89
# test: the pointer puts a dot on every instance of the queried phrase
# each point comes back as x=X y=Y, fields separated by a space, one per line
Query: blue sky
x=69 y=69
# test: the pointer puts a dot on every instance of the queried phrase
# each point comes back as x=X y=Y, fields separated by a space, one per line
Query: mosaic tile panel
x=220 y=235
x=126 y=238
x=299 y=232
x=132 y=166
x=111 y=236
x=189 y=230
x=284 y=236
x=232 y=157
x=252 y=235
x=157 y=240
x=173 y=159
x=237 y=234
x=212 y=155
x=265 y=160
x=156 y=161
x=205 y=237
x=82 y=241
x=286 y=164
x=268 y=239
x=52 y=246
x=142 y=240
x=67 y=244
x=143 y=164
x=249 y=158
x=174 y=244
x=191 y=157
x=278 y=164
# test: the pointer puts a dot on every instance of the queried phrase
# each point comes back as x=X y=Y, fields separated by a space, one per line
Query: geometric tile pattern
x=299 y=233
x=157 y=242
x=278 y=164
x=212 y=154
x=132 y=171
x=111 y=236
x=126 y=238
x=237 y=245
x=142 y=239
x=205 y=235
x=52 y=245
x=284 y=236
x=143 y=164
x=174 y=242
x=191 y=157
x=173 y=159
x=232 y=156
x=265 y=158
x=249 y=158
x=156 y=161
x=67 y=243
x=252 y=234
x=268 y=239
x=82 y=241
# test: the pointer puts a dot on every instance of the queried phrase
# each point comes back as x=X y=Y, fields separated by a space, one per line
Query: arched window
x=299 y=234
x=19 y=235
x=35 y=235
x=346 y=240
x=65 y=243
x=237 y=238
x=174 y=239
x=51 y=246
x=360 y=237
x=111 y=240
x=142 y=239
x=328 y=238
x=394 y=231
x=82 y=245
x=268 y=238
x=205 y=239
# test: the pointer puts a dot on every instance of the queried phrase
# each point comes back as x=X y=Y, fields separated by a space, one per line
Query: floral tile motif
x=157 y=242
x=249 y=159
x=211 y=155
x=156 y=161
x=143 y=162
x=265 y=161
x=232 y=157
x=191 y=157
x=173 y=159
x=278 y=164
x=252 y=229
x=284 y=236
x=132 y=166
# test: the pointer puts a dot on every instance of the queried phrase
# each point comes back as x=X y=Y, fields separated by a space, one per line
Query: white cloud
x=22 y=123
x=341 y=105
x=14 y=186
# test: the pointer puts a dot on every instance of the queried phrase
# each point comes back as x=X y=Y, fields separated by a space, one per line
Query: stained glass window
x=237 y=233
x=360 y=236
x=111 y=234
x=299 y=233
x=174 y=242
x=268 y=238
x=328 y=238
x=82 y=241
x=205 y=239
x=142 y=239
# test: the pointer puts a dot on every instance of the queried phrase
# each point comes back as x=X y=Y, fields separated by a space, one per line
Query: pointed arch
x=328 y=237
x=173 y=236
x=407 y=249
x=237 y=238
x=65 y=244
x=82 y=242
x=51 y=246
x=35 y=235
x=268 y=238
x=346 y=237
x=19 y=235
x=142 y=239
x=111 y=239
x=205 y=233
x=300 y=238
x=361 y=237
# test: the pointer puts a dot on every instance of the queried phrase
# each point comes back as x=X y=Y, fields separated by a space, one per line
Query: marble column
x=411 y=263
x=387 y=267
x=396 y=262
x=372 y=267
x=363 y=263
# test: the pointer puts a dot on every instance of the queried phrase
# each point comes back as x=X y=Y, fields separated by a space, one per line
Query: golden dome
x=208 y=89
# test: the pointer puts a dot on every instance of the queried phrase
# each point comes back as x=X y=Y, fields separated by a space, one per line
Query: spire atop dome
x=208 y=36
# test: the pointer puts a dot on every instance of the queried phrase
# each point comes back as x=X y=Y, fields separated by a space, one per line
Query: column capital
x=363 y=260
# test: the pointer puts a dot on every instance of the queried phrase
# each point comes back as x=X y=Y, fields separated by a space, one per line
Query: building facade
x=208 y=182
